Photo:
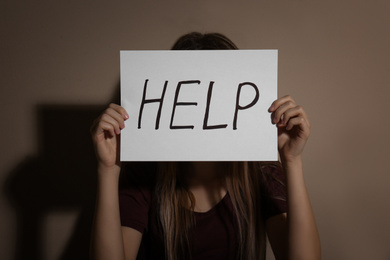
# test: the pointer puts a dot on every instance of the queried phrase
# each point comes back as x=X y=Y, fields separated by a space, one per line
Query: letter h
x=145 y=101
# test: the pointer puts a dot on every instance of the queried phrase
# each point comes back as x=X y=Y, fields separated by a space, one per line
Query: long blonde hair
x=176 y=204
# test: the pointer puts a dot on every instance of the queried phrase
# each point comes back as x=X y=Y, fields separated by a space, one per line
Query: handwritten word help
x=177 y=103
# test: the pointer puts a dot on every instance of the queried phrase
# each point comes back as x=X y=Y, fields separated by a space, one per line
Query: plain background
x=60 y=67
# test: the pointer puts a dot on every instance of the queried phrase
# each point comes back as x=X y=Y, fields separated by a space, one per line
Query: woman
x=205 y=210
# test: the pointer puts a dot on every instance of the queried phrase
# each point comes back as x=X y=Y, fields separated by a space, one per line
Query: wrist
x=291 y=162
x=104 y=170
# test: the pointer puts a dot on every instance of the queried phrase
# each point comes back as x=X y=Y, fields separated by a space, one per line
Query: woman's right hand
x=105 y=132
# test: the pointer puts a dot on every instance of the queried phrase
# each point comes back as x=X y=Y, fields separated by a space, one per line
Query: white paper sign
x=199 y=105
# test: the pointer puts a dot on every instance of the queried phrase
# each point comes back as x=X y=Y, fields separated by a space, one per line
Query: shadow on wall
x=61 y=177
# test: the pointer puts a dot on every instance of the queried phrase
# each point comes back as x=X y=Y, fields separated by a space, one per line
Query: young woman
x=204 y=210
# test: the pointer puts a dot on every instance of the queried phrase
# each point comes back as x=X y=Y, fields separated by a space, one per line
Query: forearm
x=303 y=237
x=107 y=242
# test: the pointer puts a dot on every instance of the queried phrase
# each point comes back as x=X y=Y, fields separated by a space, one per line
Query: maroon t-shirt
x=215 y=234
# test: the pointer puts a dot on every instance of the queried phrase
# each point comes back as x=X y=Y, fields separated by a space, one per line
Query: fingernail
x=126 y=116
x=271 y=108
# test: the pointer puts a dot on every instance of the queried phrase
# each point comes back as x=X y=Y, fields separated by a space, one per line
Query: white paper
x=255 y=137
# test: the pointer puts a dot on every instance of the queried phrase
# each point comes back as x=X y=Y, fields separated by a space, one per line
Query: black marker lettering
x=206 y=114
x=238 y=107
x=145 y=101
x=175 y=103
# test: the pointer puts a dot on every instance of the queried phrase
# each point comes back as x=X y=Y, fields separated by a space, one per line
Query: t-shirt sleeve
x=135 y=195
x=274 y=191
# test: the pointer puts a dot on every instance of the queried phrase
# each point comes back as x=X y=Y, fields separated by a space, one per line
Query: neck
x=204 y=173
x=206 y=181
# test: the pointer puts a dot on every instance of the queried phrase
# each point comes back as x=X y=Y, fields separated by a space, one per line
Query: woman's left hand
x=293 y=127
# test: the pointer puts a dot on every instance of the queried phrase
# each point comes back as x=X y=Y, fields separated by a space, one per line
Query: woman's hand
x=107 y=241
x=293 y=127
x=105 y=135
x=298 y=225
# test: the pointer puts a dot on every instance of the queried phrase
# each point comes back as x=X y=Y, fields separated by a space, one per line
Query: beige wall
x=60 y=64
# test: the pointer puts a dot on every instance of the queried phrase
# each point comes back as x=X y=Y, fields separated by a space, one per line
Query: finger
x=300 y=122
x=116 y=116
x=279 y=112
x=112 y=121
x=277 y=103
x=292 y=112
x=120 y=110
x=105 y=127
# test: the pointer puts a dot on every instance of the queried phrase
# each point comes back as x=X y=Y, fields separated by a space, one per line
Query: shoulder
x=272 y=176
x=136 y=194
x=137 y=181
x=273 y=189
x=140 y=174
